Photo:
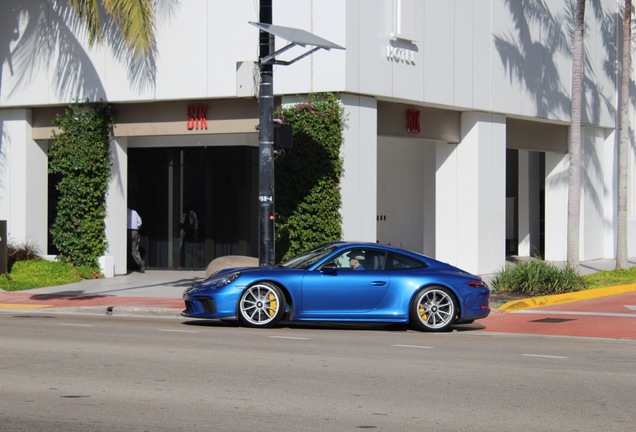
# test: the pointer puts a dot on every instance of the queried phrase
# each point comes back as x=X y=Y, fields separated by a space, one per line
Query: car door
x=342 y=293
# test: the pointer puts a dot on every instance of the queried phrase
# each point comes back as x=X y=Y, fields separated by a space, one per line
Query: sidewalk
x=153 y=293
x=158 y=293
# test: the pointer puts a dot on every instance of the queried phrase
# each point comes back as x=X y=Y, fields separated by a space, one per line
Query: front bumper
x=217 y=304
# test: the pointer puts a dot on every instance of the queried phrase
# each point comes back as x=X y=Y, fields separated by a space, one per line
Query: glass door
x=195 y=203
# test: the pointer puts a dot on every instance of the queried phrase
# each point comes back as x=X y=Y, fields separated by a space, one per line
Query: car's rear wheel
x=433 y=309
x=261 y=305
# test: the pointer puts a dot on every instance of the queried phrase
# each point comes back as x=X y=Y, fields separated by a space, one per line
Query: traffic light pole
x=266 y=141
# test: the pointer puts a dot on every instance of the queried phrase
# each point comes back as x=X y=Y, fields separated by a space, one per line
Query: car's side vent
x=207 y=304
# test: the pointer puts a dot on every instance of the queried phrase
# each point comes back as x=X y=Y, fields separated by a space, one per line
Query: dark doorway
x=196 y=203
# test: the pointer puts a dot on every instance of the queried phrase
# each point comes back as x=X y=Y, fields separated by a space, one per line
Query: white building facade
x=455 y=143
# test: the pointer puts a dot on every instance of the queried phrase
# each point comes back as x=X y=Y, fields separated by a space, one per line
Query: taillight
x=477 y=284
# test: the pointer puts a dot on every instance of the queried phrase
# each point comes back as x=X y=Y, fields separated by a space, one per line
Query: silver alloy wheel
x=260 y=305
x=435 y=309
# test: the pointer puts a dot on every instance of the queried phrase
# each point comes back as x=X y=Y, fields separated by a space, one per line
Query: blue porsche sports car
x=344 y=282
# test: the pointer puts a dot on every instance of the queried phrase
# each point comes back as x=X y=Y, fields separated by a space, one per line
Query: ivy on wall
x=80 y=160
x=307 y=182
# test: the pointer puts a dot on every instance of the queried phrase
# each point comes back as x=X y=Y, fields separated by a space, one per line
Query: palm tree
x=623 y=147
x=574 y=179
x=134 y=18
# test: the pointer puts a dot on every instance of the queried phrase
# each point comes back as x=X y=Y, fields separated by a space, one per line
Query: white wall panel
x=438 y=47
x=329 y=22
x=406 y=167
x=375 y=73
x=182 y=67
x=359 y=181
x=230 y=39
x=294 y=78
x=480 y=77
x=506 y=83
x=464 y=59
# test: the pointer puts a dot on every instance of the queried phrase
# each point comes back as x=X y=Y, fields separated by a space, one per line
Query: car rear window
x=402 y=262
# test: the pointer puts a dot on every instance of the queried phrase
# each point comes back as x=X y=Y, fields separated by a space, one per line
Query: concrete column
x=556 y=206
x=470 y=195
x=359 y=182
x=529 y=204
x=24 y=180
x=593 y=227
x=610 y=184
x=116 y=203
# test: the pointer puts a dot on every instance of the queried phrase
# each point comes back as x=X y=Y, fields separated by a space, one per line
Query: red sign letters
x=413 y=121
x=197 y=117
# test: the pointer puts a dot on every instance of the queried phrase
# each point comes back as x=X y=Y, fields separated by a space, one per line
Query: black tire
x=433 y=310
x=261 y=305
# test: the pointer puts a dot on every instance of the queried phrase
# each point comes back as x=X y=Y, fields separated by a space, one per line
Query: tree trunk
x=623 y=144
x=574 y=179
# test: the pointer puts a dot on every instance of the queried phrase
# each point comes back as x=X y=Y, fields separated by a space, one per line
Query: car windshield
x=309 y=258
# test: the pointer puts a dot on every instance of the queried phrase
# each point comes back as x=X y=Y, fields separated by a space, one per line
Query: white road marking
x=288 y=337
x=544 y=356
x=631 y=307
x=178 y=331
x=414 y=346
x=77 y=325
x=555 y=312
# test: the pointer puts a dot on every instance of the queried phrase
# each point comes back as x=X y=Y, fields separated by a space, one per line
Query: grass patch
x=611 y=278
x=38 y=273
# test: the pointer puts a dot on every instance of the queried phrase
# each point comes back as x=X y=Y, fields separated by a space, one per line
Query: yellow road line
x=22 y=306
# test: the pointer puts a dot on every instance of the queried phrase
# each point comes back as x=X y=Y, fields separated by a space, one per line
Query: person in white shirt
x=134 y=224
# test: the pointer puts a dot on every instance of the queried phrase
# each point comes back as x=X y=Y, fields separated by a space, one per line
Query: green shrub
x=80 y=161
x=38 y=273
x=308 y=175
x=536 y=277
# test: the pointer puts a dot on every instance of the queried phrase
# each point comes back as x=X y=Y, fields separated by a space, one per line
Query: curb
x=535 y=302
x=115 y=311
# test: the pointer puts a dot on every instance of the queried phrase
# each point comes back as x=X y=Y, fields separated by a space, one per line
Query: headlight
x=213 y=283
x=226 y=279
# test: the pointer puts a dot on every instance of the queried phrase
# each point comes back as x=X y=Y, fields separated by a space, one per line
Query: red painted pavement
x=580 y=318
x=60 y=300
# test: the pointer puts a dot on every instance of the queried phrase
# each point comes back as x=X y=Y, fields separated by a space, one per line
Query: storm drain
x=553 y=320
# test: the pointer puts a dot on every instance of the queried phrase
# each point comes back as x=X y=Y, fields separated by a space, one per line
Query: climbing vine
x=308 y=198
x=80 y=160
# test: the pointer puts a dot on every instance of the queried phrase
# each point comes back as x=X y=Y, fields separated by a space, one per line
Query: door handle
x=378 y=283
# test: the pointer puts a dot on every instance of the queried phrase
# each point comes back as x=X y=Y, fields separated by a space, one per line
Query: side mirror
x=329 y=268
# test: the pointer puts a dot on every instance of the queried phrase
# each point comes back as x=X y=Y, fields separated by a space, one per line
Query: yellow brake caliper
x=272 y=304
x=422 y=312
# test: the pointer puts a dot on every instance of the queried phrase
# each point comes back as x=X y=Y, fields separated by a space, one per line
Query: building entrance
x=196 y=203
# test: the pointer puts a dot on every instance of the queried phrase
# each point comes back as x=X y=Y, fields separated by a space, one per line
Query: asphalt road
x=99 y=373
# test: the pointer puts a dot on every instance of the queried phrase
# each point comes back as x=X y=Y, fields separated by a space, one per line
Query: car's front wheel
x=433 y=309
x=261 y=305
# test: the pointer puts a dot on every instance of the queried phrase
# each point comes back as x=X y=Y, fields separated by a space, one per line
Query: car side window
x=403 y=262
x=342 y=262
x=360 y=259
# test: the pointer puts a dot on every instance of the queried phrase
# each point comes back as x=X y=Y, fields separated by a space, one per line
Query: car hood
x=234 y=269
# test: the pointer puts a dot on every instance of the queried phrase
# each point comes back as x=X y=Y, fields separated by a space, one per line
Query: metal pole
x=266 y=143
